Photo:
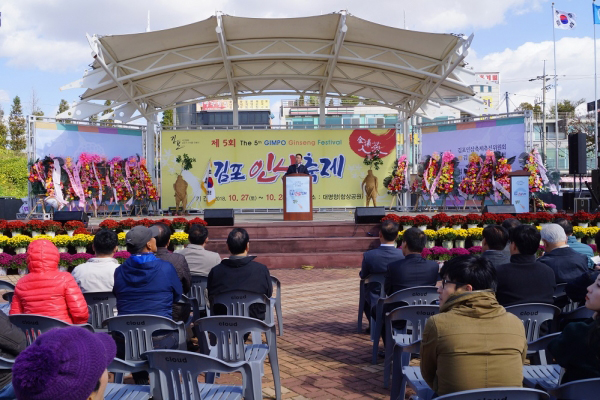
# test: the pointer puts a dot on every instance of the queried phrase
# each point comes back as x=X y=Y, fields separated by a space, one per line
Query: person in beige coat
x=473 y=343
x=199 y=260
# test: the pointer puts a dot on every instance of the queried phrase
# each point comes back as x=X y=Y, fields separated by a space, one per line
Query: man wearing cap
x=67 y=363
x=145 y=284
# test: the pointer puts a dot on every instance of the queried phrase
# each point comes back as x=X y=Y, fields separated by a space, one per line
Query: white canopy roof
x=335 y=55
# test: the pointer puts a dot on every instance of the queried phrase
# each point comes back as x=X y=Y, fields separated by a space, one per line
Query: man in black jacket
x=239 y=272
x=297 y=168
x=524 y=280
x=494 y=241
x=12 y=342
x=413 y=270
x=181 y=311
x=566 y=263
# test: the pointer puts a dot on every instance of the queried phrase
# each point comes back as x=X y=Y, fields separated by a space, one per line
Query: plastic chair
x=229 y=347
x=101 y=305
x=417 y=316
x=196 y=293
x=6 y=363
x=579 y=313
x=137 y=330
x=116 y=391
x=363 y=293
x=419 y=295
x=583 y=389
x=238 y=303
x=193 y=305
x=174 y=375
x=277 y=299
x=547 y=374
x=4 y=285
x=504 y=393
x=533 y=316
x=34 y=325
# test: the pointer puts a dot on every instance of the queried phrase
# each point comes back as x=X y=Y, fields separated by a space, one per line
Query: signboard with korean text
x=297 y=195
x=248 y=165
x=506 y=136
x=243 y=104
x=519 y=193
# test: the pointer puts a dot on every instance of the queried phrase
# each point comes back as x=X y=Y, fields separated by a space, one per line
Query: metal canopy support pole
x=236 y=114
x=322 y=111
x=403 y=123
x=150 y=141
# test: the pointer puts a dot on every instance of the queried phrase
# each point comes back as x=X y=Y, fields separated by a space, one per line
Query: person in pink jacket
x=46 y=290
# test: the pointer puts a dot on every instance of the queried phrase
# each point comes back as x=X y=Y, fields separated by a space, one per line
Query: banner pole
x=595 y=94
x=555 y=91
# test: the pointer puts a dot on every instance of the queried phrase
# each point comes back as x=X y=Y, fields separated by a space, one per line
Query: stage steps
x=296 y=244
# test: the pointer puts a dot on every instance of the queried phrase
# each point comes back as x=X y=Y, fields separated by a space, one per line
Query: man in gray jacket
x=199 y=260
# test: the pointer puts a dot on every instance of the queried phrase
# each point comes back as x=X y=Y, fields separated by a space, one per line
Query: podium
x=519 y=190
x=297 y=197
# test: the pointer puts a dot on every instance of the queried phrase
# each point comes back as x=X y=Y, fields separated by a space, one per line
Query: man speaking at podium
x=297 y=168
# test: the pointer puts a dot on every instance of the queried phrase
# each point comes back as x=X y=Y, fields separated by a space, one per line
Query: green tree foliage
x=351 y=100
x=16 y=125
x=567 y=106
x=63 y=106
x=3 y=131
x=13 y=173
x=525 y=106
x=167 y=118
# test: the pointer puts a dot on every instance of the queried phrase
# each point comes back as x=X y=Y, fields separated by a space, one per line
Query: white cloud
x=4 y=97
x=50 y=35
x=575 y=69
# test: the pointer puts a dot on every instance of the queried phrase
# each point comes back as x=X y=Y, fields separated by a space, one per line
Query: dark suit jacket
x=413 y=271
x=566 y=263
x=297 y=169
x=524 y=280
x=496 y=257
x=375 y=262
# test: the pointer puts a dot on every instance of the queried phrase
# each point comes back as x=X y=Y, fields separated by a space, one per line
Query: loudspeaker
x=9 y=207
x=595 y=187
x=582 y=204
x=64 y=216
x=219 y=216
x=577 y=154
x=504 y=209
x=368 y=215
x=568 y=200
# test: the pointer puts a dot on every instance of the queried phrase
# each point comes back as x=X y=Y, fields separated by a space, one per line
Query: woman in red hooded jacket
x=46 y=290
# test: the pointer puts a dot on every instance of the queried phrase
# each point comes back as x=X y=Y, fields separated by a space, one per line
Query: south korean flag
x=564 y=20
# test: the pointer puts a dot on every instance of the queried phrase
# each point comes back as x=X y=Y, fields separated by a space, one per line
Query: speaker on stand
x=368 y=215
x=577 y=158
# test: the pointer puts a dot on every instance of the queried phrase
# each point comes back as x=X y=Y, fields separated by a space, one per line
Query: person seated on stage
x=376 y=261
x=181 y=311
x=240 y=272
x=298 y=167
x=509 y=224
x=494 y=241
x=566 y=263
x=98 y=273
x=47 y=291
x=199 y=260
x=473 y=343
x=413 y=270
x=574 y=244
x=577 y=348
x=525 y=280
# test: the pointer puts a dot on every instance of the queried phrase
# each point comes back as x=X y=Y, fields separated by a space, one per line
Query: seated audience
x=525 y=280
x=494 y=241
x=98 y=273
x=566 y=263
x=577 y=290
x=509 y=224
x=47 y=291
x=413 y=270
x=573 y=243
x=577 y=348
x=12 y=342
x=240 y=272
x=181 y=311
x=145 y=284
x=200 y=260
x=67 y=363
x=376 y=261
x=473 y=342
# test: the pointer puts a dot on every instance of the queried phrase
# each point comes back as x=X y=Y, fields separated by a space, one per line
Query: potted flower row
x=588 y=233
x=176 y=224
x=18 y=262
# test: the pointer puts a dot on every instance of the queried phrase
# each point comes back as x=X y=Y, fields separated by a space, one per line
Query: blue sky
x=43 y=45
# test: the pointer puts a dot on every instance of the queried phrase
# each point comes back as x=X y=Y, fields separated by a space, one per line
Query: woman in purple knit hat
x=65 y=363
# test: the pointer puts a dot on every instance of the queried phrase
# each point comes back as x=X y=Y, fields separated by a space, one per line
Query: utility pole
x=544 y=88
x=506 y=100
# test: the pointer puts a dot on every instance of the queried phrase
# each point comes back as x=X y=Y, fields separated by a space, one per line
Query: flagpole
x=595 y=93
x=555 y=90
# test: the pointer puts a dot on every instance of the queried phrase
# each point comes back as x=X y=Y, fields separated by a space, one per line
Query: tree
x=567 y=106
x=34 y=106
x=351 y=100
x=13 y=173
x=167 y=118
x=107 y=111
x=525 y=106
x=16 y=124
x=63 y=106
x=313 y=100
x=330 y=103
x=301 y=101
x=3 y=131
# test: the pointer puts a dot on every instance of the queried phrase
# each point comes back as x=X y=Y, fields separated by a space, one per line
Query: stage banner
x=506 y=136
x=70 y=140
x=248 y=165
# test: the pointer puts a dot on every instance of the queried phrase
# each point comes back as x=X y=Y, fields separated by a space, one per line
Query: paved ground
x=320 y=354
